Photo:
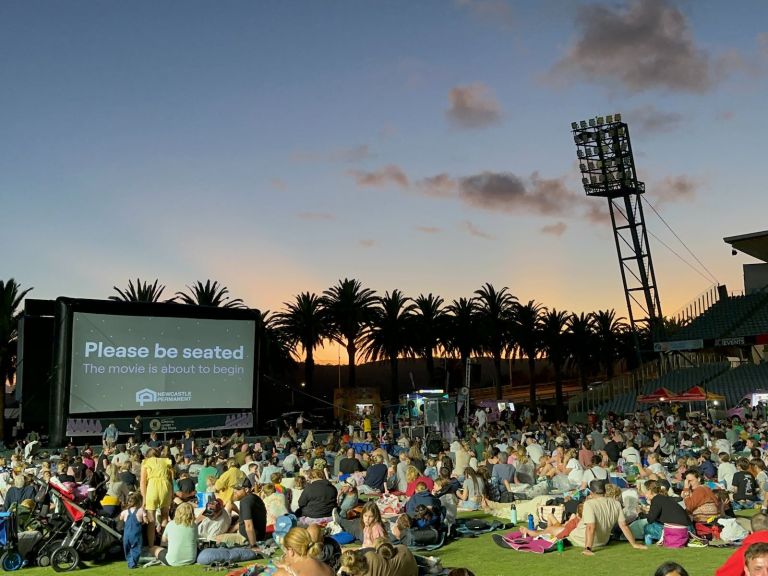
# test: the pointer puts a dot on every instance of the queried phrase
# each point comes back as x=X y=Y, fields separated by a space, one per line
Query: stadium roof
x=754 y=244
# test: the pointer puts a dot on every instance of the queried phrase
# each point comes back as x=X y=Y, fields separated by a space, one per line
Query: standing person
x=109 y=437
x=156 y=490
x=133 y=518
x=300 y=422
x=188 y=445
x=138 y=429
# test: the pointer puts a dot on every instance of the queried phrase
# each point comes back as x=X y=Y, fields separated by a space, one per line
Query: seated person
x=213 y=521
x=375 y=476
x=423 y=497
x=368 y=528
x=252 y=523
x=318 y=499
x=700 y=502
x=187 y=491
x=179 y=541
x=413 y=477
x=274 y=502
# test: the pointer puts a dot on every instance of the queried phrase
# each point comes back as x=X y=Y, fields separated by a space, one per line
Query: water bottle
x=531 y=525
x=560 y=546
x=513 y=514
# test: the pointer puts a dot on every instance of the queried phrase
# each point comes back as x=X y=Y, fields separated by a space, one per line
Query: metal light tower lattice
x=608 y=170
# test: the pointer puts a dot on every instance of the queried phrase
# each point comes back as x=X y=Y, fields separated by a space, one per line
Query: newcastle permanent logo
x=148 y=396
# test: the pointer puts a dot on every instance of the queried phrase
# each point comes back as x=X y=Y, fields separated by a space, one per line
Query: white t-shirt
x=576 y=472
x=535 y=452
x=209 y=528
x=631 y=455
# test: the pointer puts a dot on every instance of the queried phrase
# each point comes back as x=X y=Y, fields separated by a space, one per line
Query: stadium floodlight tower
x=608 y=170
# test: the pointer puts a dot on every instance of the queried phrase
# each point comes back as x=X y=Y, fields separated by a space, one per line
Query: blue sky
x=280 y=146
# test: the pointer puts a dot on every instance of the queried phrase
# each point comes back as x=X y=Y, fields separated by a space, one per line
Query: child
x=431 y=470
x=372 y=525
x=423 y=517
x=133 y=517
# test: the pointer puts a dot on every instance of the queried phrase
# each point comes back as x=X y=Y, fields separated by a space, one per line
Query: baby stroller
x=11 y=559
x=88 y=535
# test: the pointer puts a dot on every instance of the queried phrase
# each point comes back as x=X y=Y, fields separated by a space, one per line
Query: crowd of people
x=641 y=479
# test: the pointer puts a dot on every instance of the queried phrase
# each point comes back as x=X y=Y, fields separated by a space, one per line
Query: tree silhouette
x=11 y=297
x=209 y=294
x=139 y=292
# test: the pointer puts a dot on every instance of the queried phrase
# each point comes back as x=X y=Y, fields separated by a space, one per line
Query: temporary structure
x=659 y=395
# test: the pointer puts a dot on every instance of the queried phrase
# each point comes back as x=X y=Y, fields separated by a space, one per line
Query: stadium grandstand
x=721 y=345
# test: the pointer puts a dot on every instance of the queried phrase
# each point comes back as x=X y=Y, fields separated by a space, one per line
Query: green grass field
x=485 y=558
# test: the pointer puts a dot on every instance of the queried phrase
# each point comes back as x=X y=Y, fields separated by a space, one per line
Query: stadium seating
x=734 y=316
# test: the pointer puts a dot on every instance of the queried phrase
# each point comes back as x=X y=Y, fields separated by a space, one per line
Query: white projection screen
x=132 y=363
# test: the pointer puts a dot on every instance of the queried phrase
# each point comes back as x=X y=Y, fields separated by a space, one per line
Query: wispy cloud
x=473 y=230
x=439 y=186
x=385 y=176
x=344 y=155
x=649 y=119
x=643 y=45
x=509 y=193
x=680 y=188
x=556 y=229
x=473 y=106
x=367 y=243
x=279 y=185
x=429 y=229
x=496 y=11
x=318 y=216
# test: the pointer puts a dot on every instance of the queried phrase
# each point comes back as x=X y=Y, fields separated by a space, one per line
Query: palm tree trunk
x=559 y=390
x=309 y=370
x=351 y=352
x=394 y=384
x=497 y=371
x=532 y=393
x=430 y=368
x=583 y=377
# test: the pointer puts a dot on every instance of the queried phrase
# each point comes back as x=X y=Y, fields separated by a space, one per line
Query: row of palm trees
x=490 y=323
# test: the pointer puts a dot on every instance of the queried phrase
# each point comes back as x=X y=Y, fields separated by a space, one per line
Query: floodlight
x=599 y=120
x=609 y=119
x=592 y=122
x=617 y=117
x=583 y=167
x=585 y=181
x=574 y=125
x=580 y=153
x=583 y=124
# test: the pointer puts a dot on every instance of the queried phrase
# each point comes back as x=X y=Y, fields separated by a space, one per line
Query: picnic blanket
x=517 y=541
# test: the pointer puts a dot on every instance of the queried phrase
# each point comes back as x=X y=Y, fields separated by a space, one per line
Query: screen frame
x=67 y=307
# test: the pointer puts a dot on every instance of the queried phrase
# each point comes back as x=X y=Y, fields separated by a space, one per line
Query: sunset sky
x=422 y=145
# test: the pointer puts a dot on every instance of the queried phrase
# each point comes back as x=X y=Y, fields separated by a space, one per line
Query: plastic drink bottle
x=513 y=514
x=531 y=525
x=560 y=546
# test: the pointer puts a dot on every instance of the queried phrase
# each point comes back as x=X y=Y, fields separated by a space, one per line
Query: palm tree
x=461 y=329
x=349 y=309
x=608 y=332
x=303 y=324
x=494 y=314
x=140 y=292
x=11 y=297
x=527 y=334
x=581 y=336
x=555 y=342
x=209 y=294
x=428 y=326
x=388 y=336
